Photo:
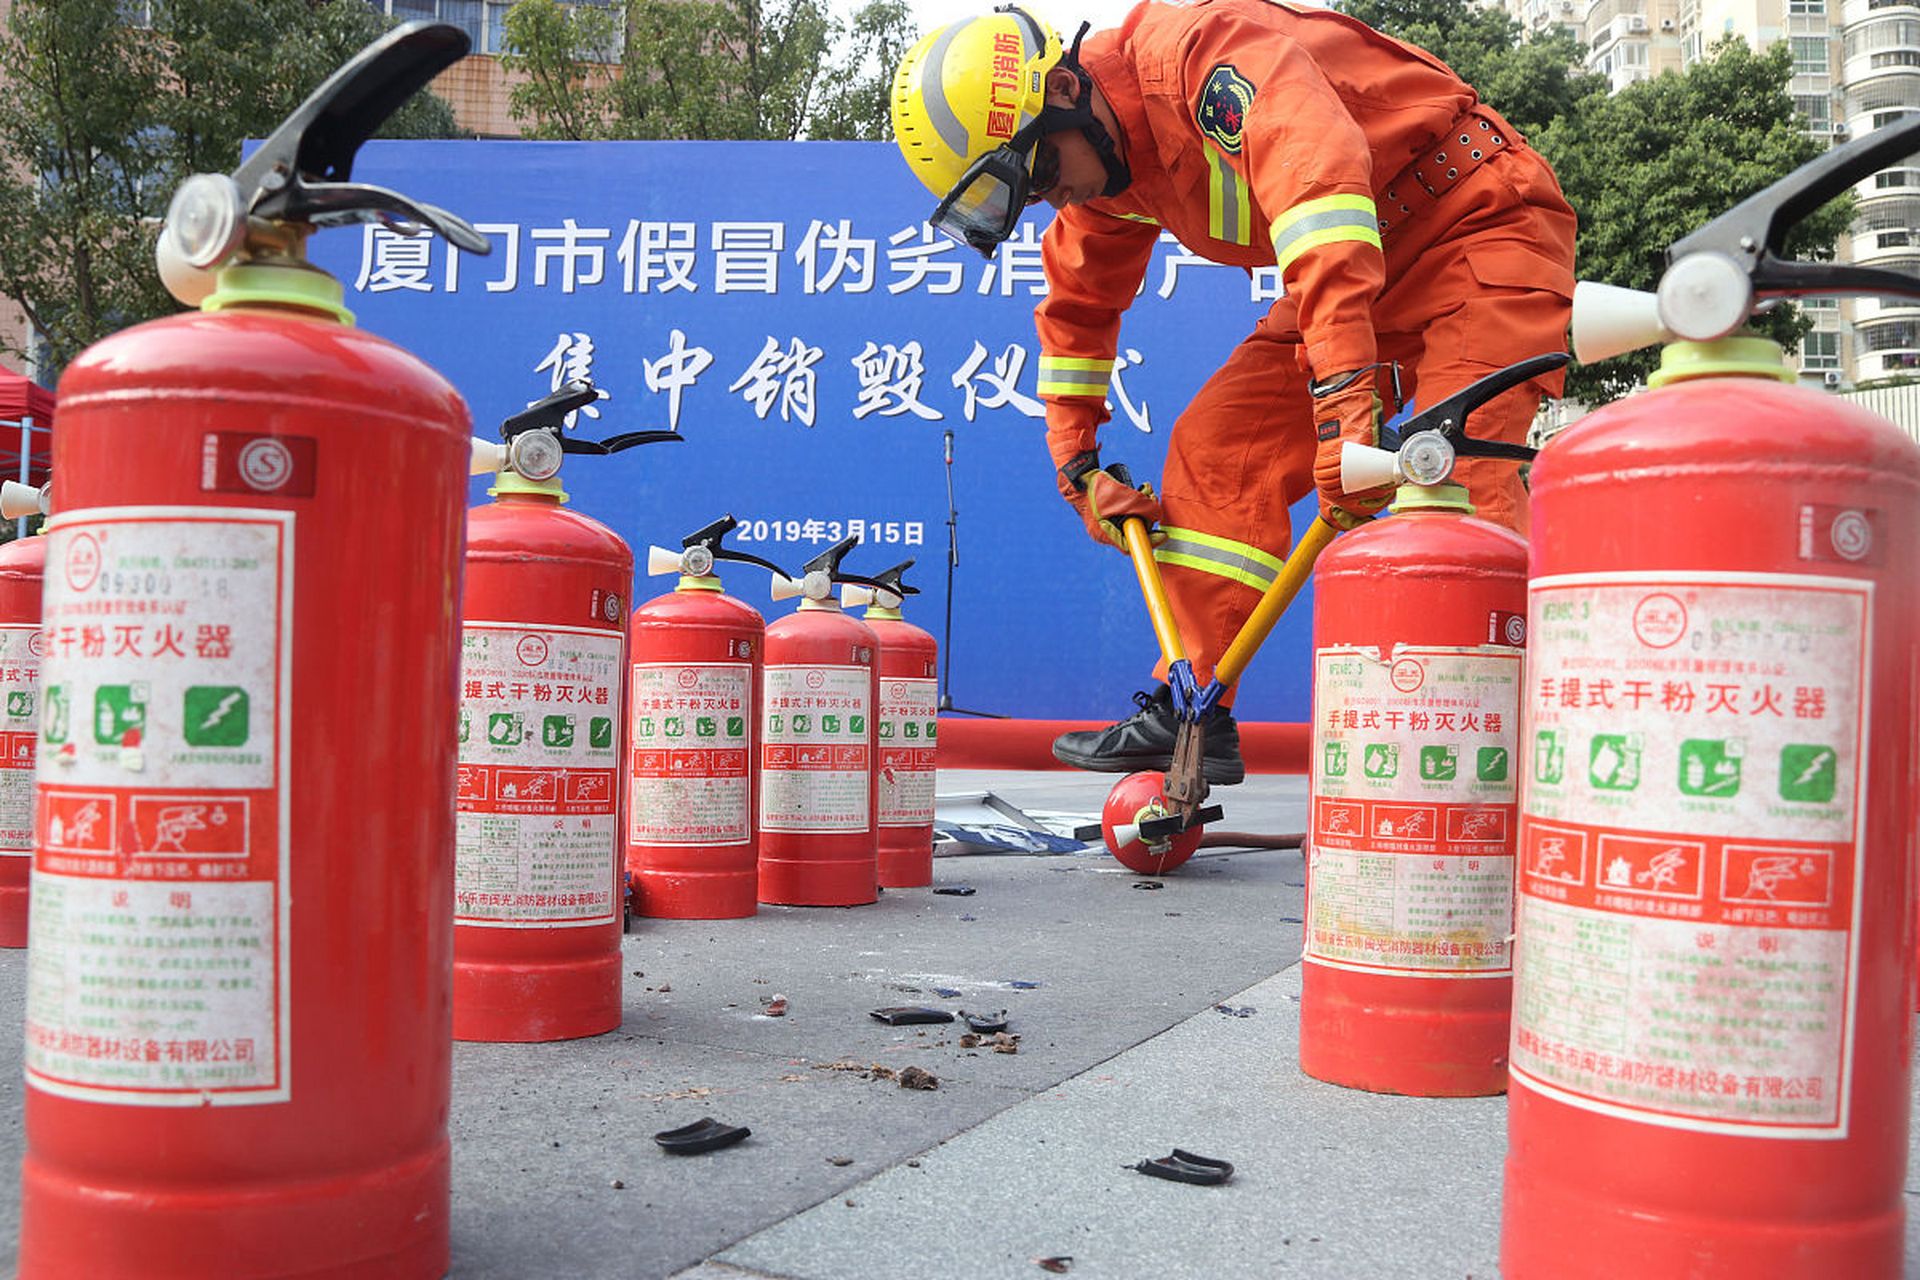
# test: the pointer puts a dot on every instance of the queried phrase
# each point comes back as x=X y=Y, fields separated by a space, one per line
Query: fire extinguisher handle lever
x=1449 y=416
x=626 y=440
x=709 y=537
x=1754 y=232
x=892 y=580
x=550 y=413
x=301 y=172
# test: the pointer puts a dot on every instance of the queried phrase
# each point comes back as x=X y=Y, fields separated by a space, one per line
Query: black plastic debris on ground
x=911 y=1016
x=1232 y=1011
x=700 y=1136
x=1184 y=1166
x=1019 y=985
x=985 y=1023
x=1148 y=884
x=955 y=890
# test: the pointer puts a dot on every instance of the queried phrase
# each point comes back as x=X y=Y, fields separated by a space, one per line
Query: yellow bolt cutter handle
x=1165 y=629
x=1273 y=602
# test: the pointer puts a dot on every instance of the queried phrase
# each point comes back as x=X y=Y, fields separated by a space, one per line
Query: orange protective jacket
x=1258 y=134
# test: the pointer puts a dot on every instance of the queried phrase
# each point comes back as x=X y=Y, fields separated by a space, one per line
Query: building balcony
x=1885 y=310
x=1888 y=250
x=1853 y=11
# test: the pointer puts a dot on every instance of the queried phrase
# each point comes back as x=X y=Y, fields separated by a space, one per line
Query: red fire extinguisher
x=21 y=648
x=905 y=728
x=695 y=676
x=818 y=843
x=1712 y=1030
x=237 y=1051
x=536 y=938
x=1419 y=627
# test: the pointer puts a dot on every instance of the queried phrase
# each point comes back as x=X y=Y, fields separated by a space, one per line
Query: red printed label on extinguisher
x=1689 y=887
x=157 y=967
x=691 y=752
x=907 y=725
x=815 y=774
x=537 y=790
x=20 y=650
x=1410 y=867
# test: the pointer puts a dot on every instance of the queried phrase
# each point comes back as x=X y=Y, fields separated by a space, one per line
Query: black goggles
x=985 y=205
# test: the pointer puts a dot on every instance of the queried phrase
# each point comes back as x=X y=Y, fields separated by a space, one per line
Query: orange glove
x=1103 y=501
x=1346 y=408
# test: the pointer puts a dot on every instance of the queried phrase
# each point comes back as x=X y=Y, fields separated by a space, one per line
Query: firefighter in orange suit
x=1411 y=226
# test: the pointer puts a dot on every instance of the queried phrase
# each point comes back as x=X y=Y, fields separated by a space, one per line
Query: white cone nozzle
x=660 y=560
x=189 y=284
x=1126 y=834
x=1363 y=467
x=785 y=588
x=19 y=500
x=853 y=595
x=488 y=457
x=1610 y=321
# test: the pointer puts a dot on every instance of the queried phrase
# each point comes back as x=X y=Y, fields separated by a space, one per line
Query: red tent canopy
x=19 y=400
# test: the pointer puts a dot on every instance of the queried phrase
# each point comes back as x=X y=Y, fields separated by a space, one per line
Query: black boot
x=1145 y=741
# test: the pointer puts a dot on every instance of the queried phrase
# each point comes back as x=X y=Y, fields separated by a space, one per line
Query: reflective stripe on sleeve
x=1074 y=376
x=1328 y=220
x=1210 y=553
x=1229 y=203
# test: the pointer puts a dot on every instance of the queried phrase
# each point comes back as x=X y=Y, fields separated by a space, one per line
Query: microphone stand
x=953 y=561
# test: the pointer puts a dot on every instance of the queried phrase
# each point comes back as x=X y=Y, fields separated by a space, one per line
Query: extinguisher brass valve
x=1423 y=448
x=1717 y=276
x=298 y=178
x=18 y=501
x=701 y=550
x=536 y=439
x=822 y=573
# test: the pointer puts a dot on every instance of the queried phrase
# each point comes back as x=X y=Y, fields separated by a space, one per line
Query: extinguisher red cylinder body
x=536 y=939
x=818 y=841
x=692 y=810
x=1418 y=627
x=1711 y=1009
x=243 y=829
x=905 y=748
x=21 y=646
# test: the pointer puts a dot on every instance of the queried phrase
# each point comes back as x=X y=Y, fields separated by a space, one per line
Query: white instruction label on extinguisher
x=1689 y=885
x=691 y=751
x=538 y=790
x=908 y=723
x=1410 y=865
x=814 y=774
x=20 y=650
x=157 y=963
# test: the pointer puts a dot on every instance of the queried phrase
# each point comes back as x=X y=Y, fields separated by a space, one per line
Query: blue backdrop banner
x=785 y=306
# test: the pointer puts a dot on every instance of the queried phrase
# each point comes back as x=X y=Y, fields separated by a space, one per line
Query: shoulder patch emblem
x=1222 y=109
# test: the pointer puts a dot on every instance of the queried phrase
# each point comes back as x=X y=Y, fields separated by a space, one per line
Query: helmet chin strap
x=1080 y=115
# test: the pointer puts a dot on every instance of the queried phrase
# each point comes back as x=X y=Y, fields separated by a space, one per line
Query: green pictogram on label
x=1710 y=767
x=933 y=729
x=1333 y=759
x=776 y=722
x=1613 y=763
x=505 y=728
x=600 y=731
x=1381 y=759
x=737 y=726
x=1490 y=765
x=644 y=727
x=857 y=726
x=117 y=709
x=58 y=721
x=557 y=731
x=215 y=716
x=886 y=728
x=830 y=724
x=466 y=723
x=1439 y=764
x=1808 y=773
x=1549 y=757
x=912 y=727
x=705 y=726
x=802 y=723
x=20 y=704
x=675 y=727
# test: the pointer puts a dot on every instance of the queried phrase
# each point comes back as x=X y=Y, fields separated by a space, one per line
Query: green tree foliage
x=704 y=69
x=102 y=119
x=1665 y=156
x=1643 y=167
